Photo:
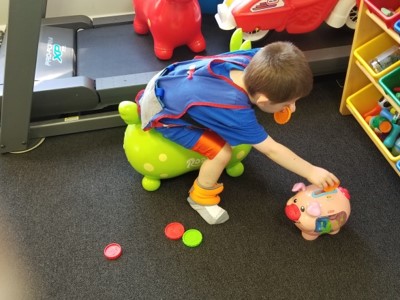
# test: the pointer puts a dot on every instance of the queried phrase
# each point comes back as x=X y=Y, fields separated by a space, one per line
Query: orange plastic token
x=330 y=188
x=174 y=231
x=385 y=126
x=283 y=116
x=112 y=251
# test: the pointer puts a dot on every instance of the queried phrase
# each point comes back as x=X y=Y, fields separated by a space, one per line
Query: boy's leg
x=204 y=194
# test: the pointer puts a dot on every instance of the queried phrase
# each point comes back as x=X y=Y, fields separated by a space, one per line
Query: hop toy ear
x=237 y=43
x=128 y=111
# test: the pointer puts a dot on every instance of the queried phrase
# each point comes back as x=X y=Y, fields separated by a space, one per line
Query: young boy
x=206 y=105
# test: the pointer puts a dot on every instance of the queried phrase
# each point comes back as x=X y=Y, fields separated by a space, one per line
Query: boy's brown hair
x=279 y=71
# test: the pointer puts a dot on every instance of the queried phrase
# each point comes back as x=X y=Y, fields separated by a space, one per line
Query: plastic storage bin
x=209 y=6
x=396 y=26
x=373 y=48
x=390 y=81
x=362 y=102
x=375 y=6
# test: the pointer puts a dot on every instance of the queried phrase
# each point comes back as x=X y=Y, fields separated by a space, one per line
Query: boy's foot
x=212 y=214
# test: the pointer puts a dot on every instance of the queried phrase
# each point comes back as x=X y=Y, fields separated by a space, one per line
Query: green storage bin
x=390 y=81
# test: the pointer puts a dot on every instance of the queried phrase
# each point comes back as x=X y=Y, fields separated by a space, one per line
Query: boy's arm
x=292 y=162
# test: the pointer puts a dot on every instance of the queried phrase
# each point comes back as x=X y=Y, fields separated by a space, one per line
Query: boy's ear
x=262 y=100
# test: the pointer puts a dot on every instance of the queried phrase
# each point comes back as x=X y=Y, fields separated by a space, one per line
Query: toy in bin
x=384 y=120
x=385 y=59
x=386 y=10
x=315 y=211
x=396 y=147
x=172 y=23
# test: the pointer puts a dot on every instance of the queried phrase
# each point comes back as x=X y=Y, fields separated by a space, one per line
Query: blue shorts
x=200 y=140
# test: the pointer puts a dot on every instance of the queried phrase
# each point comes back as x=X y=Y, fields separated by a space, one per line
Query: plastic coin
x=112 y=251
x=192 y=238
x=174 y=231
x=330 y=188
x=283 y=116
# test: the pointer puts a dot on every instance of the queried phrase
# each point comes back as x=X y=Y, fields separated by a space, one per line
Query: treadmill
x=68 y=74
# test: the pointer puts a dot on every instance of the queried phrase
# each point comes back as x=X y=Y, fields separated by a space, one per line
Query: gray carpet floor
x=62 y=203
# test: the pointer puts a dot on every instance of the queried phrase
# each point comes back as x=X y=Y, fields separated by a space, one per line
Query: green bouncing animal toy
x=156 y=157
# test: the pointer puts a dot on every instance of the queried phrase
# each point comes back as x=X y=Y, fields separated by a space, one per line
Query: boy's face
x=268 y=106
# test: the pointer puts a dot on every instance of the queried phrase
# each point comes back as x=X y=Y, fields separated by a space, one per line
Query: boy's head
x=280 y=72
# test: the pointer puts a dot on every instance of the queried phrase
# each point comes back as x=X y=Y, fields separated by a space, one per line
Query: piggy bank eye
x=295 y=200
x=302 y=209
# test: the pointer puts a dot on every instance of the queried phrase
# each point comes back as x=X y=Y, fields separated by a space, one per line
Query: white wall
x=3 y=13
x=91 y=8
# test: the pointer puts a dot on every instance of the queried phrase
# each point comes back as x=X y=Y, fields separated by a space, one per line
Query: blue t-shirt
x=235 y=126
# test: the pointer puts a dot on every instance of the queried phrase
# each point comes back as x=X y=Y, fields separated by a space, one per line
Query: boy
x=206 y=105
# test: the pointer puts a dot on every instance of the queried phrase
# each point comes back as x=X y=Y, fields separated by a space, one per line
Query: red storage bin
x=374 y=6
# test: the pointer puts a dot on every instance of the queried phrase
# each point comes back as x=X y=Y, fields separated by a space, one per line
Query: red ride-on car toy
x=257 y=17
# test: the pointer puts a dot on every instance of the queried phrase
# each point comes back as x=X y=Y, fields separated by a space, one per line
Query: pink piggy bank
x=172 y=23
x=316 y=212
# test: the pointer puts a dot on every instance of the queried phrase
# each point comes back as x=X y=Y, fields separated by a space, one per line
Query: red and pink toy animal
x=172 y=23
x=315 y=211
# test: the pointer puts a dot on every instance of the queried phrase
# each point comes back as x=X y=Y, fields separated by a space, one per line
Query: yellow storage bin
x=372 y=49
x=361 y=103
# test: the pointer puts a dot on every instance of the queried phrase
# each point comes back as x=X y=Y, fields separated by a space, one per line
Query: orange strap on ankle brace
x=204 y=196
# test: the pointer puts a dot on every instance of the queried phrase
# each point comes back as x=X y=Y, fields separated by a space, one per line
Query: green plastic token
x=192 y=238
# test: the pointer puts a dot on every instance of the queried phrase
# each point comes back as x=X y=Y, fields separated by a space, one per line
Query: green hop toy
x=156 y=157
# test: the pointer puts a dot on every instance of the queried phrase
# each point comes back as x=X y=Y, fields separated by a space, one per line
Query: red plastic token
x=112 y=251
x=174 y=230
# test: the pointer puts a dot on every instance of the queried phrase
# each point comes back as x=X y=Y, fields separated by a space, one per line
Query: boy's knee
x=225 y=154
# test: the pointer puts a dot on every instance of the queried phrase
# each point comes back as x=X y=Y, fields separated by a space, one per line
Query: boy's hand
x=322 y=178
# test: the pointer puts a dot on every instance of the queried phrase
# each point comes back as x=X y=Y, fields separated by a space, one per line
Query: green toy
x=156 y=157
x=237 y=43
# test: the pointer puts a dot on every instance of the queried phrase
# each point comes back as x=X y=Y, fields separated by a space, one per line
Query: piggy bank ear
x=314 y=209
x=299 y=187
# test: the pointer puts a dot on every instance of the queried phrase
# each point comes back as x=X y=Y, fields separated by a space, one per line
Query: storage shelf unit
x=362 y=89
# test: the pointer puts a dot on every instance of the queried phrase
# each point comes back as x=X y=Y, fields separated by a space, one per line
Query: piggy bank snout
x=292 y=212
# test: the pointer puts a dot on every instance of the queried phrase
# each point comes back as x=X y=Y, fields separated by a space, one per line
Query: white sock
x=212 y=214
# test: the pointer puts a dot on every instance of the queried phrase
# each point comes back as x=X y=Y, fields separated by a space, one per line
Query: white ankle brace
x=212 y=214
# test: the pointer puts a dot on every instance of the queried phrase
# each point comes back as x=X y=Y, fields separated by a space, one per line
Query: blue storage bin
x=209 y=6
x=396 y=26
